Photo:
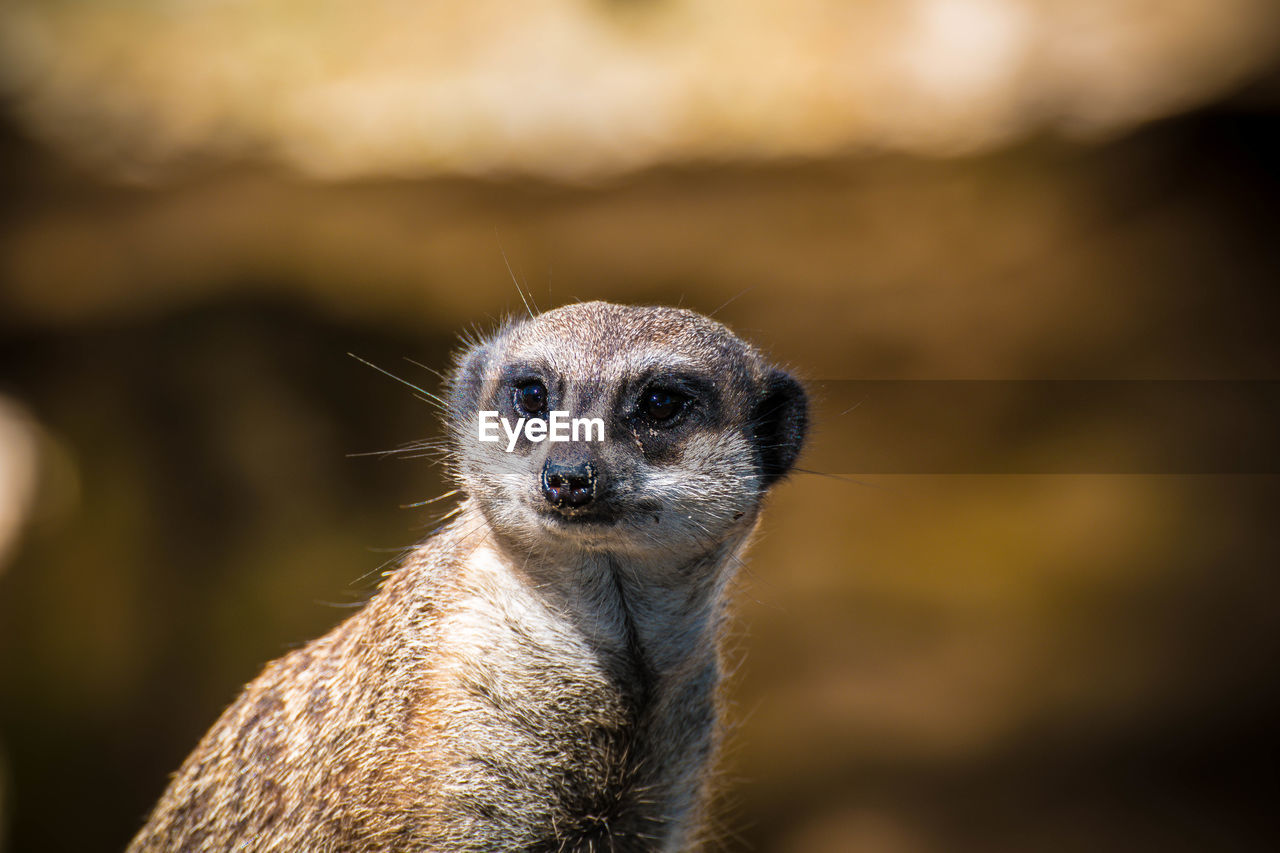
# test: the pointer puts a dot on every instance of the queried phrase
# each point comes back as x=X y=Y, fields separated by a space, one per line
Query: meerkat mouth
x=578 y=519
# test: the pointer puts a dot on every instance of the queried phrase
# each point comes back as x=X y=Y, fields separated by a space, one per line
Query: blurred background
x=1024 y=611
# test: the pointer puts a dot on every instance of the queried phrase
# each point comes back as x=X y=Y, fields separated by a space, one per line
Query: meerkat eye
x=661 y=405
x=531 y=398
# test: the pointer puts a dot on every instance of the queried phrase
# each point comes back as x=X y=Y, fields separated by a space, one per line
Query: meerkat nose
x=568 y=486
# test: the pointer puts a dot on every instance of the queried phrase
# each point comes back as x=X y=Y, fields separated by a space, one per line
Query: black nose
x=568 y=486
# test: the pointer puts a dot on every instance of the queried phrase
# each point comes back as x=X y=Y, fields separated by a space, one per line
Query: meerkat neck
x=633 y=658
x=660 y=611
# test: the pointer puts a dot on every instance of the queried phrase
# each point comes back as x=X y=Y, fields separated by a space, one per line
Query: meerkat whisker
x=426 y=396
x=447 y=494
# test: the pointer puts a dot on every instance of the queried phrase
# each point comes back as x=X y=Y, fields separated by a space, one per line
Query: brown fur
x=525 y=681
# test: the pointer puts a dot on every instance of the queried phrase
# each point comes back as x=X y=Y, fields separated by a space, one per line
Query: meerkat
x=542 y=673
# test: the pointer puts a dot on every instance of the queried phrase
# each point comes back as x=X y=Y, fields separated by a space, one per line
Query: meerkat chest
x=541 y=728
x=508 y=655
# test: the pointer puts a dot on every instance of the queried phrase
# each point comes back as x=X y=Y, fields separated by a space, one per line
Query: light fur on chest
x=581 y=715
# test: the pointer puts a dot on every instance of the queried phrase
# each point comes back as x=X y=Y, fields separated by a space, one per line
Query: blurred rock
x=582 y=90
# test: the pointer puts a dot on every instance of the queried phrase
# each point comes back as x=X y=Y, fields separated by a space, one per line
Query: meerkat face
x=680 y=429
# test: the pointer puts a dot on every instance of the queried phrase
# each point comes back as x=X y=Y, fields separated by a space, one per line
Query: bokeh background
x=1013 y=630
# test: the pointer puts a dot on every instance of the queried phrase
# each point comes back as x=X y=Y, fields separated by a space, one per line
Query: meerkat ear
x=780 y=418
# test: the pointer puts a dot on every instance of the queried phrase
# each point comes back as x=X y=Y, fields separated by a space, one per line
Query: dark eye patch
x=669 y=398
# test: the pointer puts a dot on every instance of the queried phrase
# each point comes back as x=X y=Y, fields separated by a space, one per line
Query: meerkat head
x=681 y=428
